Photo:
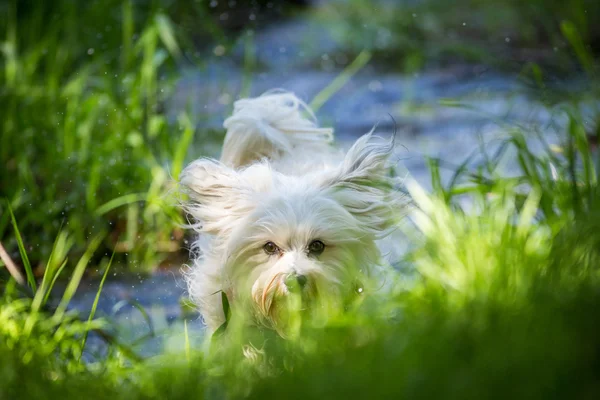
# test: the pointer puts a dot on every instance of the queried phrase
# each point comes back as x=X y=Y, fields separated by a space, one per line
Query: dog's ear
x=364 y=185
x=217 y=195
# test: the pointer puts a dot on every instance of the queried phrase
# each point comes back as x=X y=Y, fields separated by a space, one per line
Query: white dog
x=285 y=220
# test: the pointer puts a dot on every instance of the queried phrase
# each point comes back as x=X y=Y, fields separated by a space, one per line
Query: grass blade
x=56 y=261
x=167 y=34
x=227 y=312
x=120 y=201
x=128 y=30
x=436 y=178
x=321 y=98
x=54 y=279
x=95 y=304
x=40 y=295
x=77 y=275
x=528 y=211
x=226 y=307
x=249 y=64
x=461 y=170
x=10 y=265
x=24 y=258
x=182 y=145
x=187 y=340
x=570 y=32
x=117 y=307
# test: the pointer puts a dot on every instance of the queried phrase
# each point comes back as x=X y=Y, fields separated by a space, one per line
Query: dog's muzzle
x=295 y=283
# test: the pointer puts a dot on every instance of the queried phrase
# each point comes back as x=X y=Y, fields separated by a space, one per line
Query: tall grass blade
x=38 y=300
x=182 y=145
x=95 y=304
x=436 y=177
x=167 y=35
x=77 y=275
x=570 y=32
x=227 y=312
x=10 y=266
x=130 y=302
x=529 y=211
x=9 y=47
x=133 y=211
x=572 y=167
x=22 y=251
x=187 y=340
x=359 y=62
x=249 y=64
x=459 y=172
x=127 y=35
x=120 y=201
x=54 y=279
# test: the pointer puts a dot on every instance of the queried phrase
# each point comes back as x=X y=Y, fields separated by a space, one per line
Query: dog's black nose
x=302 y=279
x=295 y=282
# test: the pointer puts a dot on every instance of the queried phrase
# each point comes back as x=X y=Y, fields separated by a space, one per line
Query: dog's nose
x=295 y=281
x=302 y=279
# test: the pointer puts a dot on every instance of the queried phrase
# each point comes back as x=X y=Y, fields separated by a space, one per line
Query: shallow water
x=161 y=324
x=409 y=105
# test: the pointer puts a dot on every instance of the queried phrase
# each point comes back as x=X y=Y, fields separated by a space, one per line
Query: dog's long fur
x=280 y=180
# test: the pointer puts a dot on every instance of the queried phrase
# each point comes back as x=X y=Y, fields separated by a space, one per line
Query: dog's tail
x=271 y=126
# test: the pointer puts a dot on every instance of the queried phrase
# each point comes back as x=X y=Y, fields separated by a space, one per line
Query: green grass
x=502 y=303
x=506 y=34
x=86 y=143
x=501 y=300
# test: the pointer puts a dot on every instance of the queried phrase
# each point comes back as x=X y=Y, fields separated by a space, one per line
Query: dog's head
x=294 y=243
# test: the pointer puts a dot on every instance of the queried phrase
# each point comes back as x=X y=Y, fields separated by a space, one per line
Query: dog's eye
x=270 y=248
x=316 y=247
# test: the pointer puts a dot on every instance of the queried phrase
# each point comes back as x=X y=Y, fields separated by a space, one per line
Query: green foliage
x=86 y=143
x=85 y=140
x=22 y=251
x=408 y=35
x=502 y=295
x=41 y=343
x=502 y=303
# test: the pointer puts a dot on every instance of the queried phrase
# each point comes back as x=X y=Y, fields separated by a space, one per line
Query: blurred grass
x=502 y=303
x=504 y=296
x=506 y=34
x=85 y=141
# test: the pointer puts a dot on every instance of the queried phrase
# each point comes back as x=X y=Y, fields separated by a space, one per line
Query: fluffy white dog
x=285 y=221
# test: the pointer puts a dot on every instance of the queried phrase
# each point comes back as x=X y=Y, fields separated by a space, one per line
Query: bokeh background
x=103 y=102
